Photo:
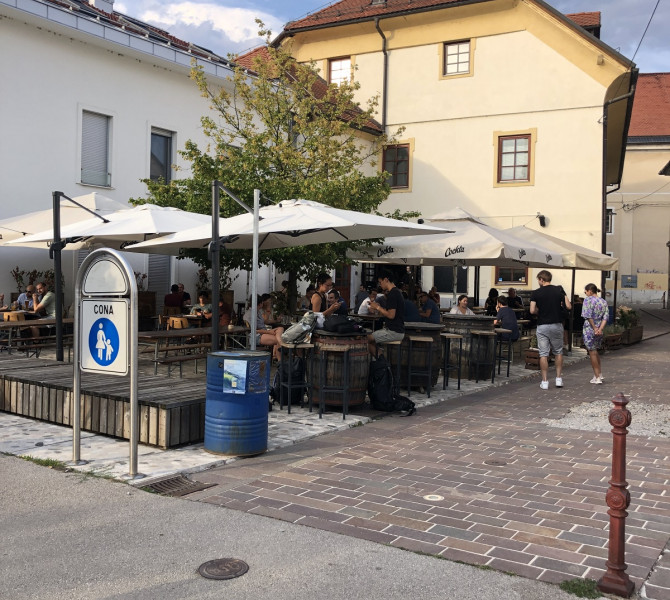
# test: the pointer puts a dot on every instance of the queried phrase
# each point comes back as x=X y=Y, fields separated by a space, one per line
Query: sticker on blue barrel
x=234 y=376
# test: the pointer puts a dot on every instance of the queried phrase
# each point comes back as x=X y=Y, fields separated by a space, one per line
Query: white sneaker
x=544 y=385
x=559 y=382
x=594 y=380
x=597 y=380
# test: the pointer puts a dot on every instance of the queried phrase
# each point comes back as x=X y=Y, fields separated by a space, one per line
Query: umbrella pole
x=215 y=257
x=572 y=311
x=56 y=248
x=254 y=271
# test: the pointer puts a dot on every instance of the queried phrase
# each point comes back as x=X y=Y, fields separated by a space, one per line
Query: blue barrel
x=236 y=402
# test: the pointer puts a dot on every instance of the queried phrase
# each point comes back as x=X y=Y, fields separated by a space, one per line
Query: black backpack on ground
x=382 y=391
x=297 y=376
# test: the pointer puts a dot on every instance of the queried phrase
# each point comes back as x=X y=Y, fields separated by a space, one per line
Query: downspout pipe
x=385 y=73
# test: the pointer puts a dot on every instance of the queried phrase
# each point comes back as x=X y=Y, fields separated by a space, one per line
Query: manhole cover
x=433 y=497
x=495 y=463
x=176 y=486
x=223 y=568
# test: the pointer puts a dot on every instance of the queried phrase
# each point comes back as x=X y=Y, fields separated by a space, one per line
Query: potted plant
x=532 y=355
x=629 y=321
x=612 y=337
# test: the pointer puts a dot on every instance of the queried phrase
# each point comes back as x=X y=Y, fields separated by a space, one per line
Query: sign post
x=105 y=336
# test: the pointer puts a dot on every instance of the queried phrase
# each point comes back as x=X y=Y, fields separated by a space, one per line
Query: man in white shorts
x=547 y=303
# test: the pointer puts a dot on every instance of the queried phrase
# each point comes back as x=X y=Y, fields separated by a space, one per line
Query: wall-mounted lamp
x=542 y=219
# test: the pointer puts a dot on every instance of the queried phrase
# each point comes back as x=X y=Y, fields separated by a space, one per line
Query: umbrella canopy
x=289 y=223
x=124 y=226
x=468 y=243
x=573 y=255
x=21 y=226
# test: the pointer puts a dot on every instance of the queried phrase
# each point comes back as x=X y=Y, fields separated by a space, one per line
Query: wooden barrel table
x=357 y=344
x=419 y=358
x=463 y=325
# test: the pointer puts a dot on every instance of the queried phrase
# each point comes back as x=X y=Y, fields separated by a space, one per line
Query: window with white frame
x=161 y=155
x=95 y=149
x=339 y=70
x=456 y=58
x=609 y=220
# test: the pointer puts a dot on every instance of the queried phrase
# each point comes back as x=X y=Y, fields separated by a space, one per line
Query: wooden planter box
x=632 y=335
x=532 y=356
x=612 y=341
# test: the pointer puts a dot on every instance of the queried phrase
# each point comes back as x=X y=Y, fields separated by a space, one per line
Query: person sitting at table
x=174 y=299
x=340 y=305
x=202 y=308
x=491 y=303
x=462 y=307
x=364 y=308
x=266 y=309
x=324 y=283
x=185 y=296
x=226 y=313
x=411 y=310
x=394 y=314
x=513 y=301
x=3 y=306
x=26 y=296
x=429 y=311
x=264 y=335
x=361 y=295
x=44 y=307
x=506 y=319
x=434 y=296
x=306 y=300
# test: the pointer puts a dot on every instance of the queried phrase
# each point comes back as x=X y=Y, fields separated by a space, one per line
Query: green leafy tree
x=283 y=130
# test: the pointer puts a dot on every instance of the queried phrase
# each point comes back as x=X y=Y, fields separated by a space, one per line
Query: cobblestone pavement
x=483 y=478
x=513 y=492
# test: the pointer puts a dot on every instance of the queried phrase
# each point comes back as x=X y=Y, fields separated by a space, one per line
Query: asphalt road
x=71 y=536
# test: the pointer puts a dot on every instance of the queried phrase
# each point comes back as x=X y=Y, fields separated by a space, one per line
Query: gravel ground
x=649 y=420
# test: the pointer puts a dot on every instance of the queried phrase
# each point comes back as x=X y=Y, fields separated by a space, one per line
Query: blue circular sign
x=103 y=342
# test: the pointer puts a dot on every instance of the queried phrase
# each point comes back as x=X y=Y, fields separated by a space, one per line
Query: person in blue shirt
x=334 y=298
x=429 y=311
x=411 y=310
x=506 y=318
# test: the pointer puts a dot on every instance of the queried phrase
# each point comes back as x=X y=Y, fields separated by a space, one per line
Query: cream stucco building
x=504 y=106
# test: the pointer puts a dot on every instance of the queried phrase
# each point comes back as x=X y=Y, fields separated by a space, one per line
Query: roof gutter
x=385 y=74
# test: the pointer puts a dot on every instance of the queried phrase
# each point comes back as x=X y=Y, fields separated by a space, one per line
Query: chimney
x=104 y=5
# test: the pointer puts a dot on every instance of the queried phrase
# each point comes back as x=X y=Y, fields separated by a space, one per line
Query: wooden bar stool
x=416 y=340
x=447 y=364
x=480 y=354
x=507 y=344
x=286 y=354
x=398 y=360
x=340 y=389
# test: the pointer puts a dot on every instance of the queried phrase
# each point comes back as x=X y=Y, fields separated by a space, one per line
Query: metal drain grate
x=176 y=485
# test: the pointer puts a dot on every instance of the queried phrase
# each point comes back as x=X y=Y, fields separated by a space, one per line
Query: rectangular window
x=396 y=163
x=95 y=136
x=161 y=155
x=513 y=158
x=609 y=220
x=608 y=274
x=511 y=275
x=443 y=279
x=339 y=70
x=456 y=58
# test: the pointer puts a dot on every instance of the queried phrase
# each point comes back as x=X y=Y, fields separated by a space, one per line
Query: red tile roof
x=348 y=10
x=651 y=108
x=585 y=19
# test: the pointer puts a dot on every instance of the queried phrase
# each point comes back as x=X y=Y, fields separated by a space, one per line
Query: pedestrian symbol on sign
x=103 y=342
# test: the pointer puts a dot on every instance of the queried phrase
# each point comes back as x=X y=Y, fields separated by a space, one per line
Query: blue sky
x=225 y=26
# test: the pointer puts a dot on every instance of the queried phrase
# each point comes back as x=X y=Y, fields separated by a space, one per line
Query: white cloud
x=236 y=24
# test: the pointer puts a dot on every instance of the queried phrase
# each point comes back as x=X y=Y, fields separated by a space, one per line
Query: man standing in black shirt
x=393 y=313
x=546 y=302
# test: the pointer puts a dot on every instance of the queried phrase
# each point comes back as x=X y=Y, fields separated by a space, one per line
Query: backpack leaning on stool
x=383 y=392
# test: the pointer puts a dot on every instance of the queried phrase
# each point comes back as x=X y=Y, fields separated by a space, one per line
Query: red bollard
x=616 y=580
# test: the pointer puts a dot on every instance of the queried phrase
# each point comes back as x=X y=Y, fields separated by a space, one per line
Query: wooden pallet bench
x=171 y=412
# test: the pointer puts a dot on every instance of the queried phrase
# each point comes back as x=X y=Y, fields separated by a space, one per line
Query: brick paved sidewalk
x=515 y=494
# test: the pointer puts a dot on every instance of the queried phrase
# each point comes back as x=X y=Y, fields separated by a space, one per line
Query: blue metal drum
x=236 y=404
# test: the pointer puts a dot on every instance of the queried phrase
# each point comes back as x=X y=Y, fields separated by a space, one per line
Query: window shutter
x=159 y=278
x=95 y=149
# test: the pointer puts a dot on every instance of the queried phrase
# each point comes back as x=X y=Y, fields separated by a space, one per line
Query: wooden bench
x=33 y=346
x=197 y=351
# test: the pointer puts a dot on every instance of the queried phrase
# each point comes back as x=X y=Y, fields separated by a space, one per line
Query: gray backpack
x=301 y=331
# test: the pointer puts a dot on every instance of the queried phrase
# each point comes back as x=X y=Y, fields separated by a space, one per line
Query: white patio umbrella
x=573 y=255
x=23 y=225
x=468 y=242
x=122 y=227
x=288 y=223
